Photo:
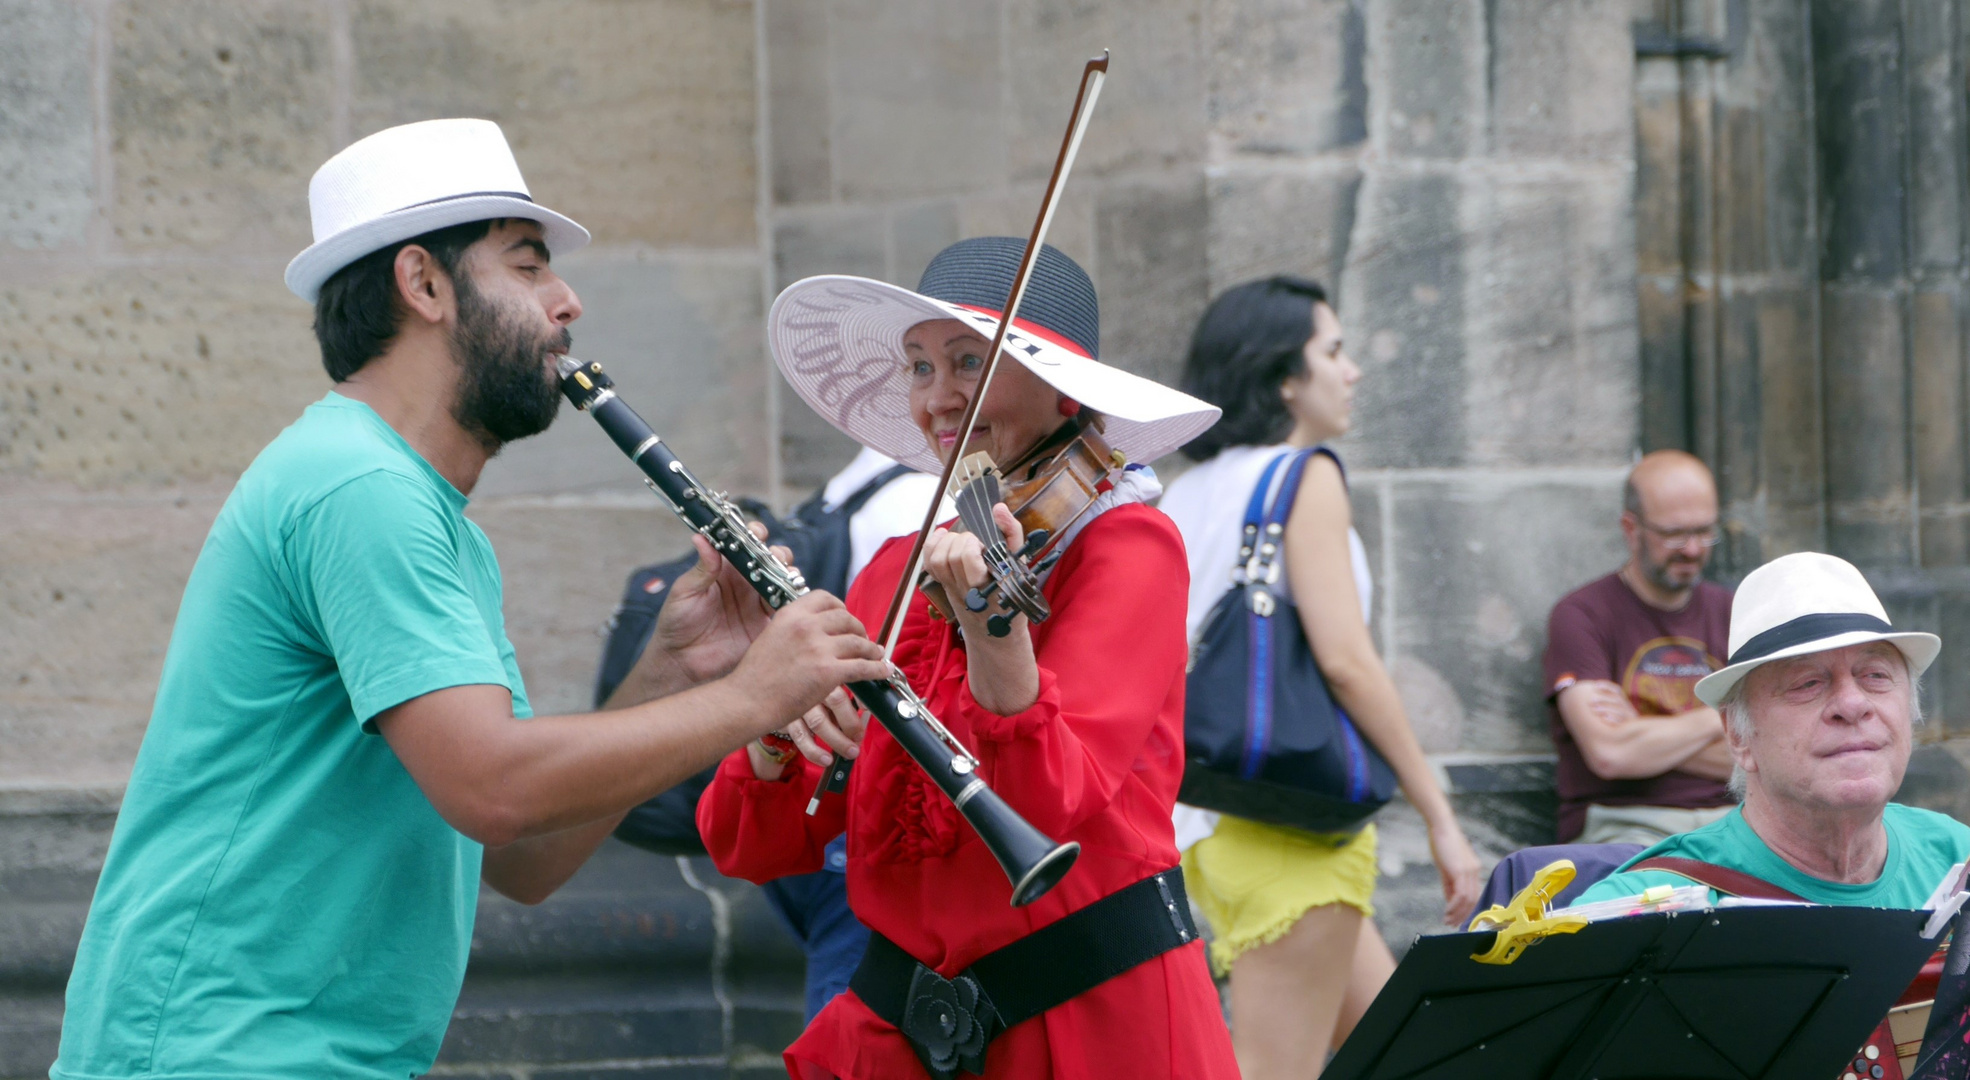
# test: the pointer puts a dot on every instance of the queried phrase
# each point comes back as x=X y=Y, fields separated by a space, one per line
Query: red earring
x=1069 y=407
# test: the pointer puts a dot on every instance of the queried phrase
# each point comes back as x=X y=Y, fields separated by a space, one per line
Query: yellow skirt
x=1254 y=881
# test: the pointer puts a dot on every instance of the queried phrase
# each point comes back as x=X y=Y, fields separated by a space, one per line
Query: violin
x=1049 y=489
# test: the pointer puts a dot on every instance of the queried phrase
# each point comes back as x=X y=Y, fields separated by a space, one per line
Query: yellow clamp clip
x=1526 y=918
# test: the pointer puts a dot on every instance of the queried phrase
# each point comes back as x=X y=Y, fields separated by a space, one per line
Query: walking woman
x=1290 y=910
x=1076 y=720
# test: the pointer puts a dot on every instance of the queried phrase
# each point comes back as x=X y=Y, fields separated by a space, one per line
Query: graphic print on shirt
x=1661 y=676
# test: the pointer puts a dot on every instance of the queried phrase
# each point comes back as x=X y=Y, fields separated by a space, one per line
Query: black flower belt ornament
x=948 y=1022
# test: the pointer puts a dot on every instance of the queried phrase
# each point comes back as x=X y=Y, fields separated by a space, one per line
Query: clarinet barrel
x=1032 y=861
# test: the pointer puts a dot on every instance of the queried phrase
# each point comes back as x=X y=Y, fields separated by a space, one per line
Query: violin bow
x=1092 y=77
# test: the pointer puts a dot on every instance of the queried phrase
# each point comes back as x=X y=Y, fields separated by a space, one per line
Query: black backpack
x=818 y=538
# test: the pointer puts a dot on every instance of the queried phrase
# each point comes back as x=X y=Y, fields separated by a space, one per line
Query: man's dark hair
x=1250 y=340
x=358 y=312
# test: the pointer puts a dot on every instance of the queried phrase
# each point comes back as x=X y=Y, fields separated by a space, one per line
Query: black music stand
x=1753 y=993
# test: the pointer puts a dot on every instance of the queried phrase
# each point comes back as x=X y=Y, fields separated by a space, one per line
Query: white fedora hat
x=408 y=180
x=1808 y=603
x=839 y=342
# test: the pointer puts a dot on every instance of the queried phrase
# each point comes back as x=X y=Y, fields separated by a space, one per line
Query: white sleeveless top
x=1208 y=505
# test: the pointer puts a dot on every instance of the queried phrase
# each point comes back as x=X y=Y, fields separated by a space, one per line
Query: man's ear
x=1739 y=746
x=1631 y=526
x=423 y=284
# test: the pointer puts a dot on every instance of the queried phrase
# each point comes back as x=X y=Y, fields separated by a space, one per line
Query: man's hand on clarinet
x=708 y=620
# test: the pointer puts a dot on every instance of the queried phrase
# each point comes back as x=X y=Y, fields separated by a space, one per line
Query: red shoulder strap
x=1721 y=878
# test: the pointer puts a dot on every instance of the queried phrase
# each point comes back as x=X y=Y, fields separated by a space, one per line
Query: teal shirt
x=1922 y=846
x=279 y=898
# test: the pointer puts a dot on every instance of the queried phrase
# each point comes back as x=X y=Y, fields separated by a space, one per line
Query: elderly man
x=1820 y=698
x=1640 y=757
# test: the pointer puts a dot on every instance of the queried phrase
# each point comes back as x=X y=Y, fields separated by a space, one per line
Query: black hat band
x=1807 y=628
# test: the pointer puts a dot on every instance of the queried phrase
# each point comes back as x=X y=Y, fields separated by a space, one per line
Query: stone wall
x=1549 y=254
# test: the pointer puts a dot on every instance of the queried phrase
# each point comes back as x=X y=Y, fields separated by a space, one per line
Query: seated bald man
x=1640 y=758
x=1819 y=701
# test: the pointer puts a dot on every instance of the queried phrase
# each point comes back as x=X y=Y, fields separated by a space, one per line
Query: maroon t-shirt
x=1602 y=630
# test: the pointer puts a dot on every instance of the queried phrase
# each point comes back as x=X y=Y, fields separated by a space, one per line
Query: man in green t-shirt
x=1819 y=699
x=341 y=749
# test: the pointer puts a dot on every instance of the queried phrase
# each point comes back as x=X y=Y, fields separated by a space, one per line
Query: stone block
x=1792 y=457
x=30 y=1032
x=637 y=120
x=1287 y=78
x=800 y=118
x=219 y=114
x=682 y=335
x=1264 y=223
x=918 y=92
x=1949 y=711
x=90 y=586
x=1936 y=402
x=1425 y=57
x=917 y=232
x=149 y=375
x=1403 y=309
x=1559 y=76
x=564 y=567
x=1479 y=562
x=1551 y=322
x=1740 y=165
x=1658 y=166
x=1869 y=513
x=1662 y=322
x=1151 y=269
x=1932 y=33
x=1862 y=132
x=851 y=241
x=1151 y=110
x=47 y=124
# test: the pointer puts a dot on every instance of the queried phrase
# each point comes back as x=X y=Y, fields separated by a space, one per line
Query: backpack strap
x=1721 y=878
x=863 y=494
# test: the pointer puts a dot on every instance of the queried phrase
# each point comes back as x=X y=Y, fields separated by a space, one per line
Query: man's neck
x=1847 y=847
x=1648 y=592
x=412 y=386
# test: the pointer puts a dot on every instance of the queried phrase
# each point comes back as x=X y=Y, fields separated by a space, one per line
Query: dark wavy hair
x=1251 y=339
x=358 y=310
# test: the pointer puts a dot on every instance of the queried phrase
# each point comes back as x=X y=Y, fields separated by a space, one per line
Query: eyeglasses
x=1703 y=536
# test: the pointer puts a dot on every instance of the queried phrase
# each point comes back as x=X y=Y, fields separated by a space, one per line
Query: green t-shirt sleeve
x=377 y=573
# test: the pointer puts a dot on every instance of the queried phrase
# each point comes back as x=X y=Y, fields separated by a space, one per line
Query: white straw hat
x=1808 y=603
x=839 y=342
x=408 y=180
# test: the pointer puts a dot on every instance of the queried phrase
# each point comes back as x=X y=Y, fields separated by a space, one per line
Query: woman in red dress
x=1077 y=721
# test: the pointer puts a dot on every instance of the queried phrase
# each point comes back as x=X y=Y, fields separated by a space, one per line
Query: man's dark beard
x=506 y=389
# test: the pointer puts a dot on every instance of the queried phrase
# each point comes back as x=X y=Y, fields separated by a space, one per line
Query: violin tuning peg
x=974 y=601
x=999 y=625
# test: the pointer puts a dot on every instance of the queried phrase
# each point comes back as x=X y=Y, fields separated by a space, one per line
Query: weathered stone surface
x=1858 y=79
x=1551 y=323
x=563 y=568
x=1936 y=402
x=682 y=336
x=917 y=91
x=917 y=232
x=1151 y=268
x=1932 y=34
x=1869 y=516
x=150 y=375
x=1151 y=110
x=1010 y=213
x=1403 y=310
x=634 y=119
x=799 y=114
x=89 y=587
x=1479 y=563
x=1556 y=74
x=1287 y=78
x=830 y=241
x=47 y=124
x=1425 y=61
x=1265 y=223
x=219 y=114
x=1792 y=467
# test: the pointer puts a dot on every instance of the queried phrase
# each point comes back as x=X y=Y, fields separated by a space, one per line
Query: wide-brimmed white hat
x=1808 y=603
x=408 y=180
x=839 y=342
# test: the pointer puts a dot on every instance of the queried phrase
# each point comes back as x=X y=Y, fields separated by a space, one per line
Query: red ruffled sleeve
x=759 y=829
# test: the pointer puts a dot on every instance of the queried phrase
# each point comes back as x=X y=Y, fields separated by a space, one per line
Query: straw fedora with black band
x=408 y=180
x=839 y=342
x=1807 y=603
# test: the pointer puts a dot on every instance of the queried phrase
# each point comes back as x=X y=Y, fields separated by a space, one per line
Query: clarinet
x=1032 y=861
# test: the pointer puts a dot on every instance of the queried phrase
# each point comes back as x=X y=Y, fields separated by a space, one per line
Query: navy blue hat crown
x=978 y=273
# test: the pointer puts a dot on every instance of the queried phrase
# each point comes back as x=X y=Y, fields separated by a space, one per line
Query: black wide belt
x=949 y=1022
